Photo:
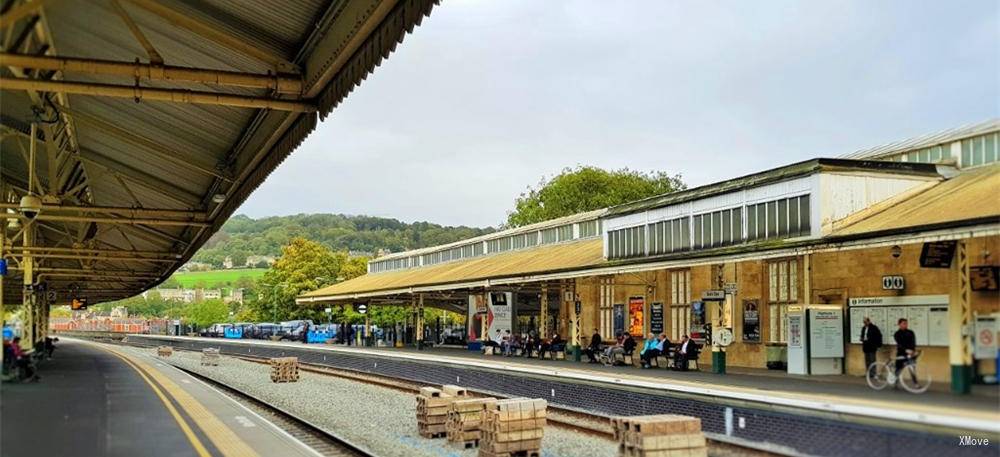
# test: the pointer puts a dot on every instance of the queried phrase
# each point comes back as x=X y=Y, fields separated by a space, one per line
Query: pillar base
x=961 y=379
x=718 y=362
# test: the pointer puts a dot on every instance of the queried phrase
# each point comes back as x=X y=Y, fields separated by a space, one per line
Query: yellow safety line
x=198 y=446
x=224 y=439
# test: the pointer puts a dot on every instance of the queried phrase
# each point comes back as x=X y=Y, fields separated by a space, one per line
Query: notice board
x=656 y=318
x=826 y=333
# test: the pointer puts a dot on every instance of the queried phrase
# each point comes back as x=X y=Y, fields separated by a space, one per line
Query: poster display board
x=826 y=333
x=636 y=314
x=985 y=337
x=618 y=317
x=927 y=316
x=795 y=330
x=751 y=321
x=491 y=313
x=656 y=318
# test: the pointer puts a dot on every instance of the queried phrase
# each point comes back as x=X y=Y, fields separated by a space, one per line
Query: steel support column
x=960 y=323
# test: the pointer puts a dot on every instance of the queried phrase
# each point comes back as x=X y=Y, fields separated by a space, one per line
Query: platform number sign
x=893 y=282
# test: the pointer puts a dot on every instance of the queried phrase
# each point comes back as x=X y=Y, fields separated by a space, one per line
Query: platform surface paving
x=91 y=402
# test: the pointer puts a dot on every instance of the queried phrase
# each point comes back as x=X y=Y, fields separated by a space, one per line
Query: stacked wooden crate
x=164 y=351
x=284 y=369
x=512 y=428
x=210 y=356
x=465 y=419
x=665 y=435
x=432 y=411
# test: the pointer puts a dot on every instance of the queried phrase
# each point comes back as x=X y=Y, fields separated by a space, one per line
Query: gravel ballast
x=381 y=419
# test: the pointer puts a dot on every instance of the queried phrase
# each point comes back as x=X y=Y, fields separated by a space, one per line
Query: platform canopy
x=137 y=127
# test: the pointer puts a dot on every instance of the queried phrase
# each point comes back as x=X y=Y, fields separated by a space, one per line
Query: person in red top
x=21 y=360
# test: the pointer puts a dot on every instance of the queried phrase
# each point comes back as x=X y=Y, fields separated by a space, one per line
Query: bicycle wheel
x=915 y=379
x=877 y=376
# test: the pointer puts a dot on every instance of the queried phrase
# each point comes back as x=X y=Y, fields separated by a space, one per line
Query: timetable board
x=927 y=316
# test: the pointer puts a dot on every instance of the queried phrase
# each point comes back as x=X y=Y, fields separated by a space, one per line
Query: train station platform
x=96 y=401
x=789 y=414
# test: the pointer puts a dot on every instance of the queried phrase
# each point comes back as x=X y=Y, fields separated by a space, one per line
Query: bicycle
x=910 y=376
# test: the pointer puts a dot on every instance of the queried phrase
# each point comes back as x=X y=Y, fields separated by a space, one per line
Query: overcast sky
x=487 y=97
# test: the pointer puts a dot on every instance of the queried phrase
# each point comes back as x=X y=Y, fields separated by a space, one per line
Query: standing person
x=505 y=342
x=594 y=347
x=871 y=341
x=305 y=333
x=906 y=343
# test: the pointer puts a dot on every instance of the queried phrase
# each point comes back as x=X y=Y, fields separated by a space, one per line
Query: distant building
x=236 y=295
x=190 y=295
x=254 y=260
x=119 y=311
x=228 y=263
x=353 y=254
x=195 y=266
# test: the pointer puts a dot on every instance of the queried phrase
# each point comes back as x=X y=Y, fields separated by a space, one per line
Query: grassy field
x=217 y=278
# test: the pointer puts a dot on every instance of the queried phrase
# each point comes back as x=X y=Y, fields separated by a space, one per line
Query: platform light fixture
x=896 y=251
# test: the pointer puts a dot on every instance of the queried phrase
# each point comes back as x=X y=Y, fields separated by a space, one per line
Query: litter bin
x=575 y=351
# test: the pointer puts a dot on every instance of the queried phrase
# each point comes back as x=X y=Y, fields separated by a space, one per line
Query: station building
x=883 y=234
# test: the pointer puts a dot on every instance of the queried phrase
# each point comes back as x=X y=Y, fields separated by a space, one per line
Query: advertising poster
x=477 y=312
x=618 y=316
x=751 y=321
x=499 y=314
x=656 y=318
x=636 y=310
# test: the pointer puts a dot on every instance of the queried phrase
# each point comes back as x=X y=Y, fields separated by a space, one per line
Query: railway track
x=317 y=438
x=578 y=421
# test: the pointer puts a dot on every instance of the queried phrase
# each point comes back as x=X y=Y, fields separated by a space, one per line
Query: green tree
x=580 y=189
x=304 y=265
x=206 y=312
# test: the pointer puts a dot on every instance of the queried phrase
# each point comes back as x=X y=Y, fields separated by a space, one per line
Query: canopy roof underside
x=151 y=121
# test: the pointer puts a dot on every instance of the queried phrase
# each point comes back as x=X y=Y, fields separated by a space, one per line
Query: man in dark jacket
x=906 y=343
x=871 y=341
x=594 y=347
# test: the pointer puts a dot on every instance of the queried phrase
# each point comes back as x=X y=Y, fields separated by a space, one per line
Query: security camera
x=31 y=205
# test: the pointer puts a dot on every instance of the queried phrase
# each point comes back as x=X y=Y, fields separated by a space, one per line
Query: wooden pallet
x=284 y=369
x=665 y=435
x=513 y=427
x=210 y=357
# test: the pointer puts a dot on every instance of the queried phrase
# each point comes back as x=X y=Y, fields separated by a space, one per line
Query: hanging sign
x=938 y=254
x=714 y=295
x=618 y=318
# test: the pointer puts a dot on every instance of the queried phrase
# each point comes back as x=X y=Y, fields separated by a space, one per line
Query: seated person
x=649 y=350
x=505 y=340
x=612 y=352
x=594 y=347
x=50 y=346
x=629 y=343
x=530 y=344
x=687 y=351
x=493 y=343
x=556 y=344
x=23 y=361
x=516 y=342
